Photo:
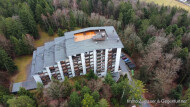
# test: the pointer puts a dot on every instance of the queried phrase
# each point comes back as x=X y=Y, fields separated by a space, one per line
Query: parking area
x=124 y=69
x=128 y=61
x=126 y=66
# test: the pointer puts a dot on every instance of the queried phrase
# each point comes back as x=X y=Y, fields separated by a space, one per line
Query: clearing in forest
x=170 y=3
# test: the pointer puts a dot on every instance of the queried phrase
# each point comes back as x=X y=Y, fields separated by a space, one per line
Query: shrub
x=88 y=101
x=114 y=101
x=103 y=103
x=21 y=101
x=144 y=74
x=85 y=90
x=176 y=93
x=91 y=75
x=59 y=89
x=6 y=98
x=23 y=92
x=96 y=96
x=183 y=53
x=60 y=32
x=109 y=79
x=82 y=82
x=77 y=86
x=50 y=31
x=3 y=92
x=74 y=100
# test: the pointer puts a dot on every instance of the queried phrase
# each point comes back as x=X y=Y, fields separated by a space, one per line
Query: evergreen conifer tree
x=28 y=21
x=6 y=63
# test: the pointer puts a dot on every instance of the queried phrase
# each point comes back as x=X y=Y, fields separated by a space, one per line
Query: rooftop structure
x=77 y=52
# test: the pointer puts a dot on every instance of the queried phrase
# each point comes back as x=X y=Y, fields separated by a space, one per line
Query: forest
x=156 y=37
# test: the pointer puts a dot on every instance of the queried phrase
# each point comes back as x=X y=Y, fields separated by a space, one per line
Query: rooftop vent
x=117 y=39
x=99 y=37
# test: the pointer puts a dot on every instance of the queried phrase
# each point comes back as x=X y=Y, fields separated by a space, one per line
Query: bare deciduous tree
x=55 y=3
x=45 y=20
x=30 y=40
x=139 y=13
x=94 y=85
x=175 y=18
x=186 y=39
x=175 y=51
x=132 y=42
x=66 y=3
x=152 y=54
x=98 y=20
x=161 y=40
x=166 y=72
x=129 y=30
x=151 y=30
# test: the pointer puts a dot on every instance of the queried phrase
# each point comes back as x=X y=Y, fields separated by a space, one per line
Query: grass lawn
x=23 y=62
x=170 y=3
x=77 y=28
x=44 y=37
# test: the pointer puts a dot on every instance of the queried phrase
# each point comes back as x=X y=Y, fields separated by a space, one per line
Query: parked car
x=127 y=61
x=124 y=57
x=131 y=65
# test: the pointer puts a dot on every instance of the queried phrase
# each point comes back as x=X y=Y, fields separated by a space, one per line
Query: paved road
x=125 y=70
x=29 y=74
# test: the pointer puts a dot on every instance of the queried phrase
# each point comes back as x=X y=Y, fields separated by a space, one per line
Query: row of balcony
x=66 y=67
x=80 y=62
x=64 y=62
x=57 y=76
x=102 y=53
x=68 y=74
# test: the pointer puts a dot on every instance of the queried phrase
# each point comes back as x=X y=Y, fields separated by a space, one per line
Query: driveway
x=125 y=70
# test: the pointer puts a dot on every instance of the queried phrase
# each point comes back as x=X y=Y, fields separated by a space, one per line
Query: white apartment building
x=76 y=53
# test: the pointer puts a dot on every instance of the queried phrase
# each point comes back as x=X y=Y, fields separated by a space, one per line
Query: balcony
x=63 y=65
x=62 y=62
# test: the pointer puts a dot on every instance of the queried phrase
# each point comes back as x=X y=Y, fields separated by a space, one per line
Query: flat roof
x=28 y=85
x=49 y=56
x=72 y=47
x=33 y=63
x=39 y=60
x=60 y=51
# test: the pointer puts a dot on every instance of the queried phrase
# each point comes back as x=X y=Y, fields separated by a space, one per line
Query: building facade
x=76 y=53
